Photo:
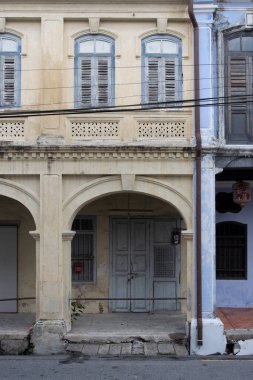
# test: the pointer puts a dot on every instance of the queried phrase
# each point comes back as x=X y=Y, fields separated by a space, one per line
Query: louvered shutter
x=239 y=83
x=9 y=81
x=103 y=81
x=170 y=80
x=152 y=80
x=85 y=81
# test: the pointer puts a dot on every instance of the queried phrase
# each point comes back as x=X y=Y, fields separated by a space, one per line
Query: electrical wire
x=121 y=67
x=134 y=107
x=123 y=84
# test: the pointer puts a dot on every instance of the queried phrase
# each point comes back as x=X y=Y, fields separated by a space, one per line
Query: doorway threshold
x=126 y=327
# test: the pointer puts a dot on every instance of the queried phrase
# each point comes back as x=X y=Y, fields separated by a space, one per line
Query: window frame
x=178 y=57
x=17 y=69
x=245 y=252
x=86 y=232
x=231 y=35
x=111 y=55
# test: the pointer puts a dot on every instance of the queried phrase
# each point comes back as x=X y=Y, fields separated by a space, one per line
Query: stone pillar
x=214 y=340
x=52 y=302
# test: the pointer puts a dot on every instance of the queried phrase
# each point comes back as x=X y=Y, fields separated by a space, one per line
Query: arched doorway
x=126 y=254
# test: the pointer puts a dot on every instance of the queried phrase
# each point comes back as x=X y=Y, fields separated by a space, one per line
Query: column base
x=214 y=340
x=47 y=337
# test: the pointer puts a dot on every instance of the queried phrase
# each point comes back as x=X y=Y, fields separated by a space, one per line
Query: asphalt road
x=67 y=367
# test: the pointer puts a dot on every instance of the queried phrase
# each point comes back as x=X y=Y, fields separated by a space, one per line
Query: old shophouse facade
x=91 y=202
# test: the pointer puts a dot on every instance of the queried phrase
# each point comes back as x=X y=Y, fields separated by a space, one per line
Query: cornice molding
x=77 y=154
x=42 y=2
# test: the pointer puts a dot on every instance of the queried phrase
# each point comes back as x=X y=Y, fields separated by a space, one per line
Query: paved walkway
x=134 y=348
x=236 y=318
x=14 y=332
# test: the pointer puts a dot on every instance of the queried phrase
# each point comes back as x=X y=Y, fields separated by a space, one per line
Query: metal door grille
x=164 y=261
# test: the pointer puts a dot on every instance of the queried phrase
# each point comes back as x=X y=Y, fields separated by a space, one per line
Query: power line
x=125 y=84
x=132 y=107
x=114 y=98
x=121 y=67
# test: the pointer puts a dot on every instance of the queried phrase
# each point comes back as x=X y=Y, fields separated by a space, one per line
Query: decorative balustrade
x=12 y=129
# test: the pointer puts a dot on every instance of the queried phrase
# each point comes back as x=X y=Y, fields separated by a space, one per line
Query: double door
x=144 y=265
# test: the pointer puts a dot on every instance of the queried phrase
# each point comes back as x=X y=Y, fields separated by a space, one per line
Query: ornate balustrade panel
x=95 y=129
x=12 y=130
x=162 y=129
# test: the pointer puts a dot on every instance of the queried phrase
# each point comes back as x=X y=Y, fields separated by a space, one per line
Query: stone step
x=135 y=348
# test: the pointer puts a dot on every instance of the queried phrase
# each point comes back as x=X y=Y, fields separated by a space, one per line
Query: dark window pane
x=234 y=44
x=238 y=127
x=247 y=43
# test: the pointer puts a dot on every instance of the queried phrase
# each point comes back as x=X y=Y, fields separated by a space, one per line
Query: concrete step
x=134 y=348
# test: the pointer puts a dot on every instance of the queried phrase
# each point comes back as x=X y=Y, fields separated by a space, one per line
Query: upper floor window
x=94 y=73
x=162 y=69
x=9 y=70
x=239 y=82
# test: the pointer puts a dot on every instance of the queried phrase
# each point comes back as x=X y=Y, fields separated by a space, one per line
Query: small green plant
x=100 y=308
x=77 y=308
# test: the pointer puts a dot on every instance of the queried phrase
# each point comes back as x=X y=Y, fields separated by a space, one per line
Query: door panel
x=120 y=265
x=163 y=289
x=8 y=268
x=139 y=264
x=166 y=266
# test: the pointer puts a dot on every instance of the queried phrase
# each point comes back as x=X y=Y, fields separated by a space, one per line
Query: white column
x=214 y=340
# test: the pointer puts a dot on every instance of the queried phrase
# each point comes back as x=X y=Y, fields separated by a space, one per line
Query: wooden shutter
x=103 y=81
x=9 y=81
x=152 y=80
x=85 y=81
x=170 y=80
x=239 y=80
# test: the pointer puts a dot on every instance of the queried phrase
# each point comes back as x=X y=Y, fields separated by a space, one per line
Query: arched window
x=9 y=70
x=239 y=82
x=161 y=69
x=94 y=71
x=231 y=251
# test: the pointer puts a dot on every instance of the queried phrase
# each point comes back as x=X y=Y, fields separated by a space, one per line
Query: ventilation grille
x=95 y=129
x=12 y=130
x=162 y=129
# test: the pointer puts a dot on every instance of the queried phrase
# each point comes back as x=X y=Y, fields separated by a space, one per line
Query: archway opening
x=127 y=256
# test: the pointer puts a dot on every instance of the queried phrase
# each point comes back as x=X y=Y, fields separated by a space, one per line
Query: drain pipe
x=198 y=171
